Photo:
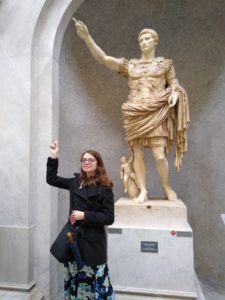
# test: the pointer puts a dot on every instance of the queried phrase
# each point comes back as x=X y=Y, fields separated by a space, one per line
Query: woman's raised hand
x=82 y=29
x=54 y=149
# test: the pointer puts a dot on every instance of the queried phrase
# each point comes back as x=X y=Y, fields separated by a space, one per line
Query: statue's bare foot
x=142 y=197
x=171 y=195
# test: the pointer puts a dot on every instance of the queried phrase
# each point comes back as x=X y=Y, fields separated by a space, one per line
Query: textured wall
x=192 y=34
x=17 y=209
x=30 y=40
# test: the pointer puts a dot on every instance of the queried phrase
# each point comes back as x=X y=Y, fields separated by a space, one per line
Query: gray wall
x=192 y=34
x=29 y=50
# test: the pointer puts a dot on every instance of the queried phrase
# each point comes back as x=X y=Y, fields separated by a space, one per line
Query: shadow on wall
x=192 y=34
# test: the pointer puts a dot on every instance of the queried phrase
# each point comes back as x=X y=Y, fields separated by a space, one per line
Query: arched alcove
x=49 y=31
x=91 y=96
x=69 y=89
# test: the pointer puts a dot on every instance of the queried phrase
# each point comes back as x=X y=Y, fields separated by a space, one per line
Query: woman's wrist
x=54 y=156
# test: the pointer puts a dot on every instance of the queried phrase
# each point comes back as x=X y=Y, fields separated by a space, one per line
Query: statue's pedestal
x=150 y=251
x=33 y=294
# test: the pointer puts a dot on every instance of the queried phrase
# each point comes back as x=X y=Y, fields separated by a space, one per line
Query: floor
x=212 y=290
x=206 y=289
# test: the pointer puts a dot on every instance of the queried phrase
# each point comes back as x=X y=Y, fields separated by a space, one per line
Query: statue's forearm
x=173 y=84
x=108 y=61
x=95 y=50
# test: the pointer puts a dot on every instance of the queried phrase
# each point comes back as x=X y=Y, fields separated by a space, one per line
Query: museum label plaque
x=147 y=246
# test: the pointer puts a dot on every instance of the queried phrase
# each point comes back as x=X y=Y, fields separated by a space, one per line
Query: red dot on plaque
x=173 y=232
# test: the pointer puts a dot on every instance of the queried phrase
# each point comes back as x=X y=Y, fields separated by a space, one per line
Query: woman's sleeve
x=51 y=175
x=103 y=217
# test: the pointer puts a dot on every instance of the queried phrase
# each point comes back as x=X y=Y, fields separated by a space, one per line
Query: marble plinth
x=33 y=294
x=150 y=250
x=16 y=257
x=16 y=264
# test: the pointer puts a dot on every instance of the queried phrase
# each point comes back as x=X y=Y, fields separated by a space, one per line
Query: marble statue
x=156 y=113
x=128 y=175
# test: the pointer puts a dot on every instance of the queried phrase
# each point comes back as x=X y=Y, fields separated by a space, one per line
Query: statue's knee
x=139 y=154
x=161 y=160
x=138 y=158
x=138 y=151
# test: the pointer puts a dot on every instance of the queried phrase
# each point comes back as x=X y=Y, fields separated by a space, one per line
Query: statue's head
x=123 y=159
x=147 y=36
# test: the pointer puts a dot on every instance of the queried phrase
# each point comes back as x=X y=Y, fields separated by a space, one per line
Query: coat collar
x=86 y=193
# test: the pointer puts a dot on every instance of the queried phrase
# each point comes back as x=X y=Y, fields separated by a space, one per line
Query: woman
x=91 y=208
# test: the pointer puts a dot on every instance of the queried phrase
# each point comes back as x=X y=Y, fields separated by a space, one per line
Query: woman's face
x=89 y=164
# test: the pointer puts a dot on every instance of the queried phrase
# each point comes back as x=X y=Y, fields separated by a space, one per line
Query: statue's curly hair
x=152 y=32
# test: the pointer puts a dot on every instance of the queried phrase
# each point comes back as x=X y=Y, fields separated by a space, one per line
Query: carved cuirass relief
x=146 y=80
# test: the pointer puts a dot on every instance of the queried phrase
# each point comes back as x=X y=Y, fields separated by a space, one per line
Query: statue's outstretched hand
x=82 y=29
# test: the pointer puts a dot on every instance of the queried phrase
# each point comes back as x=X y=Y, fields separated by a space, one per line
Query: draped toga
x=148 y=119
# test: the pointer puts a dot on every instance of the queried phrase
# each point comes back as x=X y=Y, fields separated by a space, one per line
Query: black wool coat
x=97 y=203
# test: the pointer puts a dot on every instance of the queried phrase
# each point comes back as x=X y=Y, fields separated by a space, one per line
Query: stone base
x=150 y=251
x=33 y=294
x=136 y=297
x=200 y=295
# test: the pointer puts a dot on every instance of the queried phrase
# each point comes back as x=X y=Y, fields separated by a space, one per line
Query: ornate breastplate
x=139 y=68
x=146 y=79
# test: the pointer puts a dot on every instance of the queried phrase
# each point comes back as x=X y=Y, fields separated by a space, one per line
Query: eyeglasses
x=88 y=160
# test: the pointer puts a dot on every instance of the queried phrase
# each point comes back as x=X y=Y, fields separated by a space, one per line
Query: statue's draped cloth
x=148 y=119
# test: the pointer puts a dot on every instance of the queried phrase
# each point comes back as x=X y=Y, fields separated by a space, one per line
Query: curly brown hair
x=100 y=176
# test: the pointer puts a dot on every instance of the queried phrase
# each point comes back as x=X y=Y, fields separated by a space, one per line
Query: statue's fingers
x=82 y=23
x=83 y=26
x=77 y=25
x=75 y=20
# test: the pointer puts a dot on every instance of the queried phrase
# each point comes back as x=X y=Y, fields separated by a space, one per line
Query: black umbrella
x=75 y=250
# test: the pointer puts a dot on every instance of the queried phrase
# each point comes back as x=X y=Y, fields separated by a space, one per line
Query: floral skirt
x=90 y=283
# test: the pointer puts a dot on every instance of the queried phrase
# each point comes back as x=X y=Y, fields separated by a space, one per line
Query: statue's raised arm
x=108 y=61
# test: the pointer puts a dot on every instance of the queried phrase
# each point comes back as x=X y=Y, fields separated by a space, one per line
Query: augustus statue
x=156 y=113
